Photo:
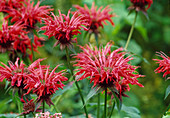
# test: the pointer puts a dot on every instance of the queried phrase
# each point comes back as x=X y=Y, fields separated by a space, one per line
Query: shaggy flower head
x=29 y=14
x=140 y=5
x=106 y=68
x=63 y=28
x=7 y=5
x=95 y=17
x=8 y=34
x=164 y=64
x=16 y=73
x=44 y=82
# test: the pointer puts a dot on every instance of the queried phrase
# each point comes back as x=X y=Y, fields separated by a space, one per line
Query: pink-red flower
x=63 y=28
x=106 y=68
x=164 y=64
x=29 y=14
x=16 y=73
x=9 y=34
x=95 y=17
x=141 y=5
x=44 y=82
x=7 y=5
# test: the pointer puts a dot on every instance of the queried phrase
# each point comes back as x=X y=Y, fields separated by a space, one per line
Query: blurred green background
x=149 y=37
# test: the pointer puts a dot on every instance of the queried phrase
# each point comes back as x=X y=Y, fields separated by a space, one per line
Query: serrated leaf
x=167 y=92
x=118 y=102
x=61 y=91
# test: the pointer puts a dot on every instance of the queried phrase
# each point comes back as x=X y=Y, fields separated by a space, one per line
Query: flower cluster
x=47 y=115
x=29 y=14
x=63 y=28
x=8 y=5
x=37 y=78
x=95 y=17
x=140 y=5
x=164 y=64
x=24 y=15
x=107 y=69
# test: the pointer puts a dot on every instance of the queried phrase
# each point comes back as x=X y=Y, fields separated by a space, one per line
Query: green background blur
x=149 y=37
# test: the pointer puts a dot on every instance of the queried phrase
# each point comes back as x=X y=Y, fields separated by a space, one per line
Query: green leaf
x=167 y=92
x=118 y=102
x=133 y=112
x=61 y=91
x=10 y=115
x=93 y=92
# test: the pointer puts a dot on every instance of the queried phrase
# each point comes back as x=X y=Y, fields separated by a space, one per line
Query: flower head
x=95 y=17
x=44 y=82
x=106 y=68
x=164 y=64
x=140 y=5
x=16 y=73
x=63 y=28
x=7 y=5
x=9 y=34
x=29 y=14
x=48 y=115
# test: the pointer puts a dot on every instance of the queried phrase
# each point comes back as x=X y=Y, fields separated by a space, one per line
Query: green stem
x=33 y=114
x=113 y=106
x=43 y=106
x=25 y=116
x=97 y=41
x=81 y=95
x=31 y=36
x=105 y=103
x=131 y=31
x=98 y=106
x=55 y=103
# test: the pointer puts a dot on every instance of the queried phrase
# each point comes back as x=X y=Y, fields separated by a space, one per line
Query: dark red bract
x=95 y=17
x=141 y=5
x=164 y=64
x=63 y=28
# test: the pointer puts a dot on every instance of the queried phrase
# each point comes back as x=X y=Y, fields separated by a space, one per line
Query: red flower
x=44 y=83
x=8 y=34
x=29 y=14
x=16 y=73
x=106 y=68
x=63 y=28
x=95 y=17
x=164 y=65
x=7 y=5
x=140 y=5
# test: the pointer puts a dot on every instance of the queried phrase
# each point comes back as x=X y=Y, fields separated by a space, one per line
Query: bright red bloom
x=140 y=5
x=29 y=14
x=45 y=83
x=63 y=28
x=16 y=73
x=106 y=68
x=8 y=34
x=95 y=17
x=164 y=65
x=7 y=5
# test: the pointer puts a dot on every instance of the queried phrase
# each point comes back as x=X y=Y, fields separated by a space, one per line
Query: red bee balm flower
x=45 y=83
x=95 y=17
x=8 y=34
x=106 y=68
x=28 y=14
x=17 y=73
x=140 y=5
x=64 y=28
x=164 y=65
x=7 y=5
